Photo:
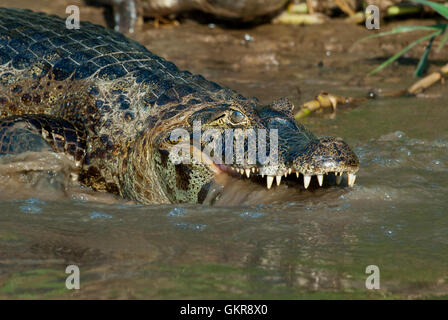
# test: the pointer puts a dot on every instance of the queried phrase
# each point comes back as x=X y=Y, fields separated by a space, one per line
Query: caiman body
x=111 y=104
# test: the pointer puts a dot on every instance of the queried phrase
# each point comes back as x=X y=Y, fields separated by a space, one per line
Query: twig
x=344 y=6
x=309 y=4
x=327 y=100
x=428 y=81
x=323 y=100
x=403 y=9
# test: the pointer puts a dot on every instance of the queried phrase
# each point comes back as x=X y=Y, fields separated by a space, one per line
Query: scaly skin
x=126 y=11
x=112 y=105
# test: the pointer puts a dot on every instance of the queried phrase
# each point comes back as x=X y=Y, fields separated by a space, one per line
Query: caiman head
x=189 y=157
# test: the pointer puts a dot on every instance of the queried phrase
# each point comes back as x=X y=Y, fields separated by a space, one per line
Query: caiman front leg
x=40 y=133
x=31 y=135
x=125 y=14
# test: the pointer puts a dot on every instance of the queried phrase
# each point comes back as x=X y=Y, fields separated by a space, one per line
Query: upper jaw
x=327 y=155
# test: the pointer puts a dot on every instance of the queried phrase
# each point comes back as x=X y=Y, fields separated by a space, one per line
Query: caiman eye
x=236 y=117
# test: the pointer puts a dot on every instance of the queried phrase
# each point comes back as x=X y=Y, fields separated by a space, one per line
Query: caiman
x=111 y=105
x=126 y=12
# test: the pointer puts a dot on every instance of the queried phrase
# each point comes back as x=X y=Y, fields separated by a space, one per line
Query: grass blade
x=424 y=58
x=404 y=29
x=438 y=7
x=403 y=51
x=442 y=41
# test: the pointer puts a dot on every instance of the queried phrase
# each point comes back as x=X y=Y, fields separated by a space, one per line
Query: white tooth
x=286 y=174
x=262 y=175
x=247 y=173
x=338 y=179
x=278 y=179
x=241 y=171
x=269 y=181
x=320 y=179
x=289 y=171
x=351 y=179
x=306 y=180
x=253 y=169
x=297 y=174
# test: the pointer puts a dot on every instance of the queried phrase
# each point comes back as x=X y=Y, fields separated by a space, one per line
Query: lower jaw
x=235 y=190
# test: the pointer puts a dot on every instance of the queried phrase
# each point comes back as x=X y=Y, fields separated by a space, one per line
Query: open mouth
x=289 y=176
x=325 y=161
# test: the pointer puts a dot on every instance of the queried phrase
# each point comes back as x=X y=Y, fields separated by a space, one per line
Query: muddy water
x=287 y=243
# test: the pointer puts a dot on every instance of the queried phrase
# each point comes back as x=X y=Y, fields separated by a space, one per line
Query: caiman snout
x=326 y=155
x=319 y=157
